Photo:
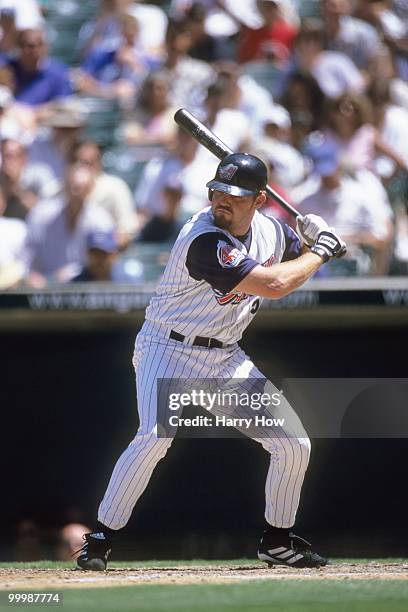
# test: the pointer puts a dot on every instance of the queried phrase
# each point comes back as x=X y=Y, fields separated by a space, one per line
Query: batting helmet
x=239 y=174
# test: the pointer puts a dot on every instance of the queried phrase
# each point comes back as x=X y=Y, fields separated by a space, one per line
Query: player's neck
x=240 y=231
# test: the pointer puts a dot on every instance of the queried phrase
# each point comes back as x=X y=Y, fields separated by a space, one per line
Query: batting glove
x=329 y=245
x=309 y=228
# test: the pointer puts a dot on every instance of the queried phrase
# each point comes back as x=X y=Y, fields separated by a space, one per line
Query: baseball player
x=225 y=260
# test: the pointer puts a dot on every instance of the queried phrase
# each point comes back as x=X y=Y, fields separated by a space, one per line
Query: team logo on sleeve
x=228 y=255
x=227 y=172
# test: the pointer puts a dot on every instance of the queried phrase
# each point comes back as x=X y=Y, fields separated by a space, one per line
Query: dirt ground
x=214 y=574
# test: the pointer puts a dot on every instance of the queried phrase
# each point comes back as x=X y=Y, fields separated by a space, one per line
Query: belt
x=198 y=340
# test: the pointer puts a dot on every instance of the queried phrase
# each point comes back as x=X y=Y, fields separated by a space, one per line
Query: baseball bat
x=210 y=141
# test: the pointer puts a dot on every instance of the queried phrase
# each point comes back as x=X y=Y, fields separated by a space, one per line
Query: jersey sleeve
x=293 y=244
x=214 y=258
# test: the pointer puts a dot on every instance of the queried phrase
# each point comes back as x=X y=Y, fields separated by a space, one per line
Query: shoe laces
x=85 y=537
x=297 y=540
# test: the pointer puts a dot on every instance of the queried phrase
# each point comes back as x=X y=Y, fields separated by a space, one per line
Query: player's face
x=235 y=213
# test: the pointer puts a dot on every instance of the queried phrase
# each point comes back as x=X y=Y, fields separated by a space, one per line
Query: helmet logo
x=227 y=172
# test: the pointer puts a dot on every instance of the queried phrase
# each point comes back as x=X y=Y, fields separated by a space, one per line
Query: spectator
x=230 y=124
x=382 y=69
x=204 y=46
x=12 y=237
x=116 y=71
x=273 y=40
x=342 y=201
x=349 y=35
x=286 y=165
x=70 y=541
x=57 y=231
x=105 y=28
x=153 y=24
x=164 y=226
x=350 y=127
x=189 y=77
x=152 y=122
x=391 y=122
x=334 y=72
x=61 y=131
x=103 y=264
x=303 y=124
x=22 y=184
x=170 y=189
x=381 y=14
x=39 y=79
x=109 y=192
x=304 y=95
x=244 y=93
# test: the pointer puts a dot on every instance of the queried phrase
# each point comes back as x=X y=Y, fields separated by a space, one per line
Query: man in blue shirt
x=38 y=78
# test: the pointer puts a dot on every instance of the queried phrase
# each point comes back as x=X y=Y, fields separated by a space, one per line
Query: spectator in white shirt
x=189 y=77
x=335 y=72
x=56 y=244
x=391 y=122
x=170 y=190
x=109 y=192
x=342 y=201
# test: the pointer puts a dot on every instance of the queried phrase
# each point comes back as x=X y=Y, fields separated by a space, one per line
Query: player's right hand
x=329 y=245
x=309 y=227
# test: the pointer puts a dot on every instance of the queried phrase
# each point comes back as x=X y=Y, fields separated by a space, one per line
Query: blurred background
x=96 y=181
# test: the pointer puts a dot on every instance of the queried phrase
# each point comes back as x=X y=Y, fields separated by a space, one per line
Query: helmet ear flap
x=210 y=194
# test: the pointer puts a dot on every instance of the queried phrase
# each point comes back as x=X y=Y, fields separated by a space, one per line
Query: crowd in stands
x=96 y=178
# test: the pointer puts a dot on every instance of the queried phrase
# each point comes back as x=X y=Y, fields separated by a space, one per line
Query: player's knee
x=150 y=442
x=292 y=449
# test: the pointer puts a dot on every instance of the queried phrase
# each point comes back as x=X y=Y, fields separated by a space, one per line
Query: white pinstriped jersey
x=193 y=307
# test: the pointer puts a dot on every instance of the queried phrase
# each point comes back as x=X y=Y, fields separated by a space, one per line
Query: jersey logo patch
x=227 y=172
x=230 y=298
x=228 y=255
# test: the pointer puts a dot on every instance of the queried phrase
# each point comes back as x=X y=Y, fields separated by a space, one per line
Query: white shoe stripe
x=295 y=558
x=288 y=553
x=275 y=551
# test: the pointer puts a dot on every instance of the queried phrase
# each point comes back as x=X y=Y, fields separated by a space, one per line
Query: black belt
x=198 y=340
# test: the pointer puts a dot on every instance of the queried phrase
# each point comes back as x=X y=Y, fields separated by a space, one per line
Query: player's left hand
x=309 y=228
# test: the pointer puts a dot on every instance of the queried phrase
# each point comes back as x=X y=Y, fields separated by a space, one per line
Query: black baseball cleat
x=288 y=549
x=95 y=552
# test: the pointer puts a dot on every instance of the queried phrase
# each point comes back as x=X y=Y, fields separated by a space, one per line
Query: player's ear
x=210 y=194
x=260 y=199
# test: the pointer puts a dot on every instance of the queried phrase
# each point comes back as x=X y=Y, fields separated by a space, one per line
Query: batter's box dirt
x=15 y=578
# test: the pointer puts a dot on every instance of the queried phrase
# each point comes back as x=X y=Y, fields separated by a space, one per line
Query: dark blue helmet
x=240 y=174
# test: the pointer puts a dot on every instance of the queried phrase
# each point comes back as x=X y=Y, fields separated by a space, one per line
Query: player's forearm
x=288 y=276
x=281 y=279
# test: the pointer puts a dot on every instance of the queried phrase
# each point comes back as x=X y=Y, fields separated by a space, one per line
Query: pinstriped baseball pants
x=162 y=358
